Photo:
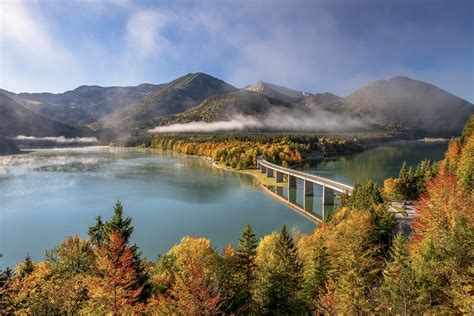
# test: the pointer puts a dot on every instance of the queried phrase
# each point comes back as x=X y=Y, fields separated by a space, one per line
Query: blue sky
x=315 y=46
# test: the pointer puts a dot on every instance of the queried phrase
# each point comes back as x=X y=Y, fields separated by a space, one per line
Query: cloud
x=236 y=123
x=295 y=121
x=25 y=31
x=58 y=139
x=314 y=46
x=143 y=34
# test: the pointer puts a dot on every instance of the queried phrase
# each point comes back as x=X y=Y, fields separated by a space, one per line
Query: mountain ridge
x=16 y=120
x=176 y=96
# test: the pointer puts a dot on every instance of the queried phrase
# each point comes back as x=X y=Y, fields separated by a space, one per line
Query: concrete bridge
x=329 y=187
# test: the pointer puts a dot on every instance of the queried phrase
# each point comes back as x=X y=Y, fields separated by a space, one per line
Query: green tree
x=96 y=233
x=315 y=274
x=284 y=281
x=119 y=223
x=399 y=283
x=246 y=268
x=364 y=197
x=26 y=267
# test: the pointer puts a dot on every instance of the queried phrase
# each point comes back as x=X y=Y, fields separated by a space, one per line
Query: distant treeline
x=240 y=151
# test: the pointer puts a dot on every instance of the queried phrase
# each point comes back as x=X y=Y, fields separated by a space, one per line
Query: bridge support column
x=328 y=196
x=263 y=169
x=279 y=176
x=269 y=173
x=308 y=188
x=291 y=182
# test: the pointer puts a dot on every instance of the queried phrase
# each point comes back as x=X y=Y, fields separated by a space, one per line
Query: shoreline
x=259 y=184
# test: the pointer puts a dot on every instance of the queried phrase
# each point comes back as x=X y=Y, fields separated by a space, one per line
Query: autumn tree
x=188 y=277
x=100 y=233
x=74 y=256
x=114 y=289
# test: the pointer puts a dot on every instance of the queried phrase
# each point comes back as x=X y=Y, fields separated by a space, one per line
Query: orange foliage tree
x=114 y=287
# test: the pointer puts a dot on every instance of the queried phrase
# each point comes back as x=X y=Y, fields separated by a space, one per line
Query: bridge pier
x=291 y=182
x=308 y=188
x=269 y=173
x=328 y=196
x=279 y=176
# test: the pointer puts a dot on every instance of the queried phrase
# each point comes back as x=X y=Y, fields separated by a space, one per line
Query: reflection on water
x=312 y=204
x=377 y=163
x=47 y=195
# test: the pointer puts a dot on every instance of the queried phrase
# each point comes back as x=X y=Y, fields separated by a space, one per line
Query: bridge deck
x=337 y=186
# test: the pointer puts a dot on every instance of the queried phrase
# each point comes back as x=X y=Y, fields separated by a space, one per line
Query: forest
x=240 y=151
x=358 y=262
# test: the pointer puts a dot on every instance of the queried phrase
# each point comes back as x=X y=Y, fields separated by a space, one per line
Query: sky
x=315 y=46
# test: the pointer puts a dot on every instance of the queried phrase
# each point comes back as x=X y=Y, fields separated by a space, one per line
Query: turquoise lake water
x=46 y=195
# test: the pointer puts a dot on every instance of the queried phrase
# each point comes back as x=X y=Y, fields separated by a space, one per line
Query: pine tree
x=315 y=275
x=26 y=267
x=399 y=283
x=119 y=224
x=96 y=233
x=285 y=280
x=246 y=269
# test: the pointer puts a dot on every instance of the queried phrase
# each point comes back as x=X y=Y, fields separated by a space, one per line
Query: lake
x=46 y=195
x=377 y=163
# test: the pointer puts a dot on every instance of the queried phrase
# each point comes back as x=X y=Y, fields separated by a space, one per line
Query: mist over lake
x=48 y=194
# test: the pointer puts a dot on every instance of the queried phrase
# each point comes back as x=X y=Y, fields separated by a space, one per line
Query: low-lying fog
x=316 y=120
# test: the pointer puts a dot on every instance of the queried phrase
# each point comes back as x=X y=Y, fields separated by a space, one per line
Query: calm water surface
x=377 y=163
x=49 y=194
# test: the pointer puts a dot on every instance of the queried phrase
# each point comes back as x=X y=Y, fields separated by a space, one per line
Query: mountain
x=278 y=92
x=8 y=147
x=177 y=96
x=406 y=104
x=317 y=99
x=16 y=120
x=83 y=105
x=224 y=107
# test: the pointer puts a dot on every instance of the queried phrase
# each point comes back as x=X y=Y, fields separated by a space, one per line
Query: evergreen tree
x=282 y=296
x=364 y=196
x=246 y=267
x=119 y=224
x=315 y=274
x=26 y=267
x=399 y=283
x=96 y=233
x=100 y=236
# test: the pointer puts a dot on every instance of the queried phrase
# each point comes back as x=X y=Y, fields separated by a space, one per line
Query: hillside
x=224 y=107
x=83 y=105
x=16 y=120
x=406 y=104
x=8 y=147
x=278 y=92
x=315 y=100
x=177 y=96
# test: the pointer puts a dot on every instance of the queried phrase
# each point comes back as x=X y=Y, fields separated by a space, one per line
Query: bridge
x=329 y=187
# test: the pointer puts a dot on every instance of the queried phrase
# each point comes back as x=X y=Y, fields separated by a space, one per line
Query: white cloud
x=24 y=30
x=143 y=33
